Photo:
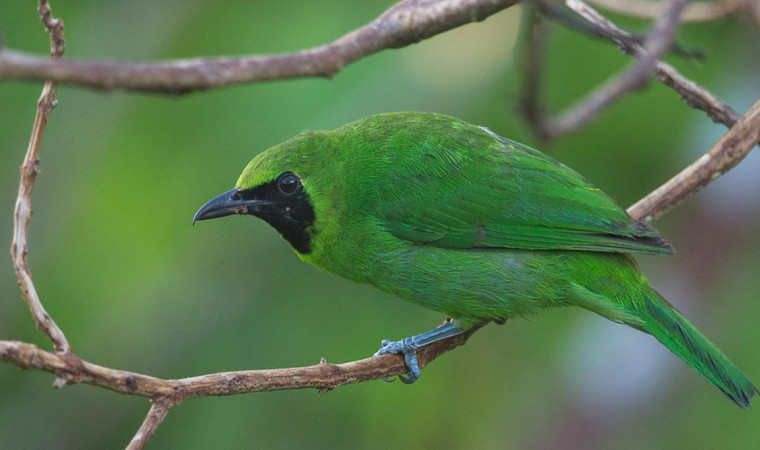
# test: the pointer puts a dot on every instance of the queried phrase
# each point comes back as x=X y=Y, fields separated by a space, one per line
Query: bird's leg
x=409 y=346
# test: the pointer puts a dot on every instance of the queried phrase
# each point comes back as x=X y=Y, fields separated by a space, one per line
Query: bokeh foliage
x=135 y=287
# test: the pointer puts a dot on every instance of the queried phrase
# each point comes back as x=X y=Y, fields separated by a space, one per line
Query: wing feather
x=505 y=195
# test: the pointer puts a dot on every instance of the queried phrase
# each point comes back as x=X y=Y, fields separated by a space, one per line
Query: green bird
x=455 y=218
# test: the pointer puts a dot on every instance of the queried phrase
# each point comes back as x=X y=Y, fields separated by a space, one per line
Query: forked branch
x=578 y=115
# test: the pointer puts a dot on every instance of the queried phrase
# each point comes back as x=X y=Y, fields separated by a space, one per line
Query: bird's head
x=275 y=187
x=310 y=186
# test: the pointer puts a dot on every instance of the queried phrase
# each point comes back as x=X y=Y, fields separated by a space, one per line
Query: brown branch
x=29 y=168
x=405 y=23
x=168 y=393
x=724 y=155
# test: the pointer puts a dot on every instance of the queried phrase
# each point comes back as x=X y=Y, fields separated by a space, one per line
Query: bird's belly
x=472 y=284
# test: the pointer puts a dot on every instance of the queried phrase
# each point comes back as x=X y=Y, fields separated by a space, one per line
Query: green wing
x=505 y=195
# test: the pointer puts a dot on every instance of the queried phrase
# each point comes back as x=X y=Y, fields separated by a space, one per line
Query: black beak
x=231 y=202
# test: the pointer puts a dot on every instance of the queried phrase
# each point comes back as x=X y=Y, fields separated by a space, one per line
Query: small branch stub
x=158 y=411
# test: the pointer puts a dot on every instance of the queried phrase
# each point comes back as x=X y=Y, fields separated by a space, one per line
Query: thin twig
x=635 y=77
x=158 y=411
x=29 y=168
x=563 y=16
x=691 y=93
x=724 y=155
x=695 y=95
x=405 y=23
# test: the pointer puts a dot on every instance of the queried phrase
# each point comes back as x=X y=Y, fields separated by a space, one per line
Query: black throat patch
x=291 y=215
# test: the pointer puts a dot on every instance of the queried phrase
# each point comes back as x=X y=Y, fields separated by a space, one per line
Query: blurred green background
x=135 y=287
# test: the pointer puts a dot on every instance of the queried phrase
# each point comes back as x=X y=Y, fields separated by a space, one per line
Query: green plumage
x=454 y=218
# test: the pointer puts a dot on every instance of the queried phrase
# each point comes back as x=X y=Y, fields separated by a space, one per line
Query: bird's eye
x=288 y=183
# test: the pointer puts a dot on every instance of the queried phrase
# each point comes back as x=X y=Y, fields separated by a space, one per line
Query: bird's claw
x=409 y=349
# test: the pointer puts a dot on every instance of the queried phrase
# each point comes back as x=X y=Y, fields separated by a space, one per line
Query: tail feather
x=669 y=327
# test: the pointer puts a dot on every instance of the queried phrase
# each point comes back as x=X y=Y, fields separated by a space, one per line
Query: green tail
x=669 y=327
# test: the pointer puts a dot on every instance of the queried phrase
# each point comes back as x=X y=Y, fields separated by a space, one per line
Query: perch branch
x=323 y=376
x=404 y=23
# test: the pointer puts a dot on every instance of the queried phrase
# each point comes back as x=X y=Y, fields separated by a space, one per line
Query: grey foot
x=409 y=349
